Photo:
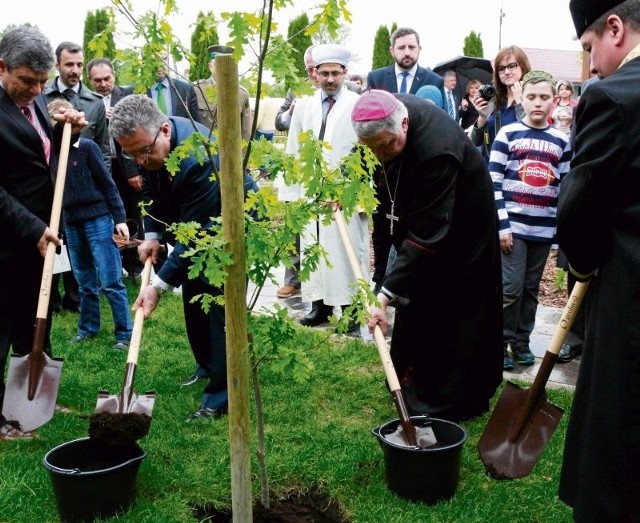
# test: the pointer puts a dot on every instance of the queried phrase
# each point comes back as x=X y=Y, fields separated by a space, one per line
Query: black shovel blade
x=31 y=413
x=509 y=456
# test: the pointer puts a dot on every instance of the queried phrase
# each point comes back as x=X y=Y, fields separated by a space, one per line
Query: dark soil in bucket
x=311 y=507
x=118 y=429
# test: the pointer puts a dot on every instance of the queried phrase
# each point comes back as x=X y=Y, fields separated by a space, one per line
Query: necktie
x=450 y=108
x=330 y=102
x=69 y=94
x=403 y=84
x=46 y=143
x=161 y=101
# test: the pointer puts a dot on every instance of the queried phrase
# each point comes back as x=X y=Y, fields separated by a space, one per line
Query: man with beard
x=437 y=208
x=70 y=64
x=405 y=76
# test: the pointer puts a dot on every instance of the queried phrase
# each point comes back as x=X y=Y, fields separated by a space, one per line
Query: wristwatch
x=159 y=290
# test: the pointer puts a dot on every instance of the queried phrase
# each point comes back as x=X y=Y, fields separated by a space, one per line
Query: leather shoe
x=207 y=413
x=287 y=291
x=9 y=433
x=192 y=380
x=567 y=353
x=320 y=313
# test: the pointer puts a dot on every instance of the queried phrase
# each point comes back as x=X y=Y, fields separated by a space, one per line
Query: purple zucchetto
x=374 y=104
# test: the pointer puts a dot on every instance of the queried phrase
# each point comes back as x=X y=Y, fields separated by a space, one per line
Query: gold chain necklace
x=391 y=216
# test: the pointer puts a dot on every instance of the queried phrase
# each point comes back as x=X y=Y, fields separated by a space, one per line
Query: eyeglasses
x=145 y=151
x=327 y=74
x=512 y=67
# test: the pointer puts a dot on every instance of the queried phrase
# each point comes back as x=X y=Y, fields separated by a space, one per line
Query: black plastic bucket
x=91 y=479
x=428 y=475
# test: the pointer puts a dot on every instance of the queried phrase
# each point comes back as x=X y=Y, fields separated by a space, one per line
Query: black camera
x=487 y=91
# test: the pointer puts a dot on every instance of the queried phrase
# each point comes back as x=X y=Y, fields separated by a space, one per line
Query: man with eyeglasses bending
x=148 y=137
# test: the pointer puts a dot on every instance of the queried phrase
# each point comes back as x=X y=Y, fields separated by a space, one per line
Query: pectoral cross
x=392 y=218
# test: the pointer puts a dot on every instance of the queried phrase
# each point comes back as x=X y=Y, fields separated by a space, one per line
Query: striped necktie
x=46 y=143
x=450 y=107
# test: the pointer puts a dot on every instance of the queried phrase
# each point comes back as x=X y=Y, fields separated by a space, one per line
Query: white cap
x=330 y=54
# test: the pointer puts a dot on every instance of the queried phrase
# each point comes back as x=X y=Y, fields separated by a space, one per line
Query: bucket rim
x=76 y=471
x=377 y=431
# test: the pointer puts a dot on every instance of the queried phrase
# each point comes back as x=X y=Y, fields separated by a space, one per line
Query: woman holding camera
x=505 y=106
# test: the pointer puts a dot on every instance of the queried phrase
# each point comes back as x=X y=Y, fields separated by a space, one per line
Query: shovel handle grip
x=136 y=334
x=381 y=342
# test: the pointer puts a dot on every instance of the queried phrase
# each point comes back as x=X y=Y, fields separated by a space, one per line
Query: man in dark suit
x=125 y=173
x=172 y=95
x=148 y=136
x=27 y=143
x=405 y=76
x=451 y=100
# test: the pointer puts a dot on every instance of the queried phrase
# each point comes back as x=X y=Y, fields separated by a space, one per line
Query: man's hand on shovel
x=47 y=236
x=378 y=315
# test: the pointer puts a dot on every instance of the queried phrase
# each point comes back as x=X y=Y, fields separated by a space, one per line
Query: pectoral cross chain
x=392 y=218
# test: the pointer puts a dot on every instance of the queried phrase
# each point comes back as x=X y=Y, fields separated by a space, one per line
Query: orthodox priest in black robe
x=437 y=209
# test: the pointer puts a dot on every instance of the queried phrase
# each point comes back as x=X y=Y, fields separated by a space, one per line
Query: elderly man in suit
x=126 y=175
x=174 y=97
x=27 y=144
x=191 y=195
x=405 y=76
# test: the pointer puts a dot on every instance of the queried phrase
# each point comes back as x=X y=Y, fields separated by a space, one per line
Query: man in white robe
x=330 y=286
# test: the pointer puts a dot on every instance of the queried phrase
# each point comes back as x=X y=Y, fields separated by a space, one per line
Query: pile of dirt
x=553 y=286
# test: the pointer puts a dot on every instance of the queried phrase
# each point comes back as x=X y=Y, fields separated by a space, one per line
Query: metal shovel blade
x=506 y=454
x=31 y=414
x=115 y=403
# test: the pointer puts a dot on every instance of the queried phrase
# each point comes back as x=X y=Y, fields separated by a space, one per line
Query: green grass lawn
x=318 y=435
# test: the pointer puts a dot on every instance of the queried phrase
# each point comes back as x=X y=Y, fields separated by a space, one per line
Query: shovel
x=33 y=380
x=125 y=417
x=523 y=420
x=427 y=437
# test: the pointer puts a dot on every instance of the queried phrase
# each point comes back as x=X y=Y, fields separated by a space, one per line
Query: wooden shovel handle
x=136 y=334
x=537 y=390
x=381 y=342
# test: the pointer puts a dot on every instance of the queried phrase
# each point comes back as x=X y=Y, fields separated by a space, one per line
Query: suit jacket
x=93 y=106
x=26 y=182
x=385 y=79
x=183 y=91
x=286 y=105
x=456 y=104
x=209 y=109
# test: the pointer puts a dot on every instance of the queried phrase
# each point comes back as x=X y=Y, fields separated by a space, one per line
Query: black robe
x=447 y=340
x=599 y=228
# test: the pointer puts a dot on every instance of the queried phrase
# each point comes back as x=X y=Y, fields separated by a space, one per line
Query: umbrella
x=467 y=68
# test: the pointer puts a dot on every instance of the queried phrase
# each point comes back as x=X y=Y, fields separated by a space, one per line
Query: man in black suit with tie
x=172 y=95
x=405 y=76
x=126 y=174
x=27 y=143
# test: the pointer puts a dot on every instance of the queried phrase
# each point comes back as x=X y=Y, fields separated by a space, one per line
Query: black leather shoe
x=192 y=380
x=320 y=313
x=206 y=413
x=568 y=353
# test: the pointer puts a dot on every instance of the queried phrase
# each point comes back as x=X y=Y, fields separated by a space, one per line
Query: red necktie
x=46 y=143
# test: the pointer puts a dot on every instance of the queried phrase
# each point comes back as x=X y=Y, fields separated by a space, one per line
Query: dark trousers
x=19 y=295
x=206 y=335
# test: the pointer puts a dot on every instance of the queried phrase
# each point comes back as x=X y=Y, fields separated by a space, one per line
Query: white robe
x=333 y=285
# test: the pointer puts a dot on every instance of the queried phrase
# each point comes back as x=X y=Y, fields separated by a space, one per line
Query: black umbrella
x=467 y=68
